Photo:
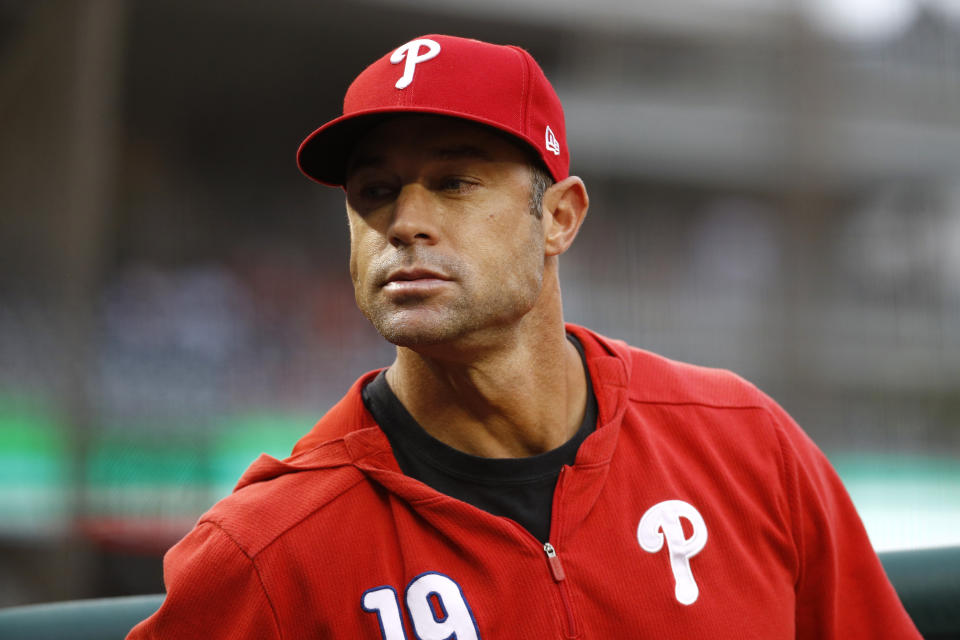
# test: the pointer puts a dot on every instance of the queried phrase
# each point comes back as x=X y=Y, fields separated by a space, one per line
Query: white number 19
x=436 y=605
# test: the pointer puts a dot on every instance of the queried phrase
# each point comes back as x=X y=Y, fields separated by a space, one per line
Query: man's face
x=442 y=241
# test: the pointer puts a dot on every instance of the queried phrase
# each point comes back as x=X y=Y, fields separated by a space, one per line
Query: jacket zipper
x=556 y=570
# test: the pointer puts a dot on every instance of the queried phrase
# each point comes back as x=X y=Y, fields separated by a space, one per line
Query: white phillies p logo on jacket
x=411 y=51
x=665 y=517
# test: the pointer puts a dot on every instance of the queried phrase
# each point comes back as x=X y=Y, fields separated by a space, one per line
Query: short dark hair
x=540 y=181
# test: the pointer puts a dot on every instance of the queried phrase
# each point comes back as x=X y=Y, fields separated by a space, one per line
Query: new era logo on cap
x=551 y=142
x=494 y=85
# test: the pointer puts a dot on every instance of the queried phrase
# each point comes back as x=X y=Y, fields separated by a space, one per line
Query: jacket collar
x=348 y=434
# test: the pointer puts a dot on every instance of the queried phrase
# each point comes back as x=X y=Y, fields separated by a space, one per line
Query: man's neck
x=522 y=395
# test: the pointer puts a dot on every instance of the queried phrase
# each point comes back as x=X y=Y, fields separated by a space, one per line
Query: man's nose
x=414 y=217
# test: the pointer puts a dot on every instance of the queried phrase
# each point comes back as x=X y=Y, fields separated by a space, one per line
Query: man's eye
x=375 y=191
x=455 y=184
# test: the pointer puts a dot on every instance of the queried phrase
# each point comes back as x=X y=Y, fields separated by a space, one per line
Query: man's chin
x=418 y=329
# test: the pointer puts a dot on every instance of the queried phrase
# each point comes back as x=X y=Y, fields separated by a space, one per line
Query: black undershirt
x=517 y=488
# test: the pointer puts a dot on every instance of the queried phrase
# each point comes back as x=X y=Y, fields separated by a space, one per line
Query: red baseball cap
x=495 y=85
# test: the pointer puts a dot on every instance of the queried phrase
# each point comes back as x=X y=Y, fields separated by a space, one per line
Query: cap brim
x=323 y=155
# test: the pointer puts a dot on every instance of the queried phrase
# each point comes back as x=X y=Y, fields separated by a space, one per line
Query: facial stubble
x=473 y=301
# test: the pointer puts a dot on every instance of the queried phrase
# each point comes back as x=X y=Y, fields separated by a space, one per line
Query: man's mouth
x=407 y=275
x=414 y=280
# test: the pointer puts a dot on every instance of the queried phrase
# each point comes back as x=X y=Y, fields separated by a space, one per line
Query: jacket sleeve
x=213 y=591
x=842 y=590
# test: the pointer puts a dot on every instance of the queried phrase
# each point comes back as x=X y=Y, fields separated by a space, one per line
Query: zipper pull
x=556 y=568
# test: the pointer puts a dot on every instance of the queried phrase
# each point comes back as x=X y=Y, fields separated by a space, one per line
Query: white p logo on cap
x=411 y=51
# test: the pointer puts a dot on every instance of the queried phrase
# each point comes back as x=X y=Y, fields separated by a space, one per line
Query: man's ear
x=565 y=206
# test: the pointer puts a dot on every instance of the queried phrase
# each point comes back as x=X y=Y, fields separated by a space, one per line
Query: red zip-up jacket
x=697 y=509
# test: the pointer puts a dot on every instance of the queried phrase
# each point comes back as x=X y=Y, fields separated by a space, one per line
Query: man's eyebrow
x=364 y=162
x=453 y=152
x=461 y=151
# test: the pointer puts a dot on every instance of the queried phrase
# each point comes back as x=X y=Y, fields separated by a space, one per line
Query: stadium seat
x=928 y=582
x=98 y=619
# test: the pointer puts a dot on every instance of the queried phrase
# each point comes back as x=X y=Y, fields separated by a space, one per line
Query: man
x=510 y=476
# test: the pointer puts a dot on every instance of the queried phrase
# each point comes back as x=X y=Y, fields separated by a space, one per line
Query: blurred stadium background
x=775 y=190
